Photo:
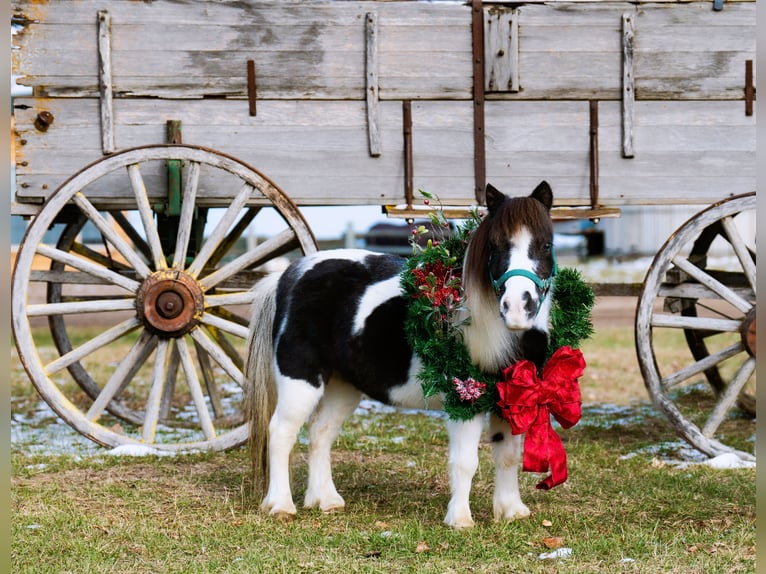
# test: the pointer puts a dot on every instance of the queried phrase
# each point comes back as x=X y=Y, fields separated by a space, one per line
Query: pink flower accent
x=470 y=389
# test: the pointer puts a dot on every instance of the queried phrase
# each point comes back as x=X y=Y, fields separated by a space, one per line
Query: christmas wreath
x=433 y=280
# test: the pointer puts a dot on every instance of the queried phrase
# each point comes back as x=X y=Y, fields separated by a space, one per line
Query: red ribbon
x=527 y=401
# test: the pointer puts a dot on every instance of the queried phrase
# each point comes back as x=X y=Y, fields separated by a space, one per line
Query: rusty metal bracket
x=749 y=91
x=407 y=133
x=251 y=88
x=593 y=153
x=479 y=149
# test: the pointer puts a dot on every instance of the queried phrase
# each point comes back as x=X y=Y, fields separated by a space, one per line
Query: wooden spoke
x=224 y=325
x=218 y=233
x=743 y=254
x=122 y=375
x=96 y=343
x=111 y=235
x=206 y=368
x=97 y=257
x=217 y=353
x=240 y=298
x=147 y=216
x=227 y=347
x=233 y=236
x=721 y=289
x=77 y=307
x=170 y=383
x=696 y=323
x=159 y=376
x=138 y=241
x=195 y=389
x=278 y=244
x=188 y=206
x=701 y=366
x=88 y=267
x=728 y=398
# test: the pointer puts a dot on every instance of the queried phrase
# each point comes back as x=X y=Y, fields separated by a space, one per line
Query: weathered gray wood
x=567 y=50
x=317 y=152
x=728 y=398
x=501 y=49
x=628 y=87
x=371 y=69
x=105 y=81
x=649 y=320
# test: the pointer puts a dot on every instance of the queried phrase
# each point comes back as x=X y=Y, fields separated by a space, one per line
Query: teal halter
x=544 y=285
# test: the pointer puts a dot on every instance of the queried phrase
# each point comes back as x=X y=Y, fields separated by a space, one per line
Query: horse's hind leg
x=507 y=451
x=464 y=437
x=338 y=402
x=296 y=400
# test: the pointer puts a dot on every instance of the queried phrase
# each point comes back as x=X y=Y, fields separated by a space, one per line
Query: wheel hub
x=170 y=303
x=747 y=332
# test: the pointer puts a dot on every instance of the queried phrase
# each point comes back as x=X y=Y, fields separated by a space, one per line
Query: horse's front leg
x=464 y=439
x=507 y=451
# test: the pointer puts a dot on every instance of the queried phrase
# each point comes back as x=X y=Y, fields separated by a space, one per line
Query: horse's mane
x=497 y=228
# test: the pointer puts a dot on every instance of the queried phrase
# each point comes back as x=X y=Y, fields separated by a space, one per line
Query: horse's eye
x=547 y=246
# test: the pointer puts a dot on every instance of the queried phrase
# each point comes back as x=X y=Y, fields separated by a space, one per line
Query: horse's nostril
x=505 y=306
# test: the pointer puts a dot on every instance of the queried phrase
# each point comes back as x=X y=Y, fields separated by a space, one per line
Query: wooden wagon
x=171 y=127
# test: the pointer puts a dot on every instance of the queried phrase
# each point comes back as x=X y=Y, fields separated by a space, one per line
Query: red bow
x=527 y=402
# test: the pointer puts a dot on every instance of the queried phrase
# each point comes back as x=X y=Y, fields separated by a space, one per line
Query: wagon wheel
x=700 y=291
x=165 y=294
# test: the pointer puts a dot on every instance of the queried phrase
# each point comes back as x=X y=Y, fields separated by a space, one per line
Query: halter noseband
x=544 y=285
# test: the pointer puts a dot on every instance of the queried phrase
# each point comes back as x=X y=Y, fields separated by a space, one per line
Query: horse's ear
x=543 y=194
x=495 y=198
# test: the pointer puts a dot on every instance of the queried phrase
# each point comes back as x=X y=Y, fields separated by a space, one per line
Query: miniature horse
x=330 y=329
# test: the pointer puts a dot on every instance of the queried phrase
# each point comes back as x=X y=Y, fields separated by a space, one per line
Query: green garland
x=432 y=278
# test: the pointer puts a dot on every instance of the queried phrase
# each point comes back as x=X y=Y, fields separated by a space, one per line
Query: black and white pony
x=329 y=330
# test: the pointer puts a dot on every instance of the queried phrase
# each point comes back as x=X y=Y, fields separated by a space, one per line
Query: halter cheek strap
x=544 y=285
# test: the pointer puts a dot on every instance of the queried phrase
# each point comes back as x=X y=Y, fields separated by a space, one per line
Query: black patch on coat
x=534 y=346
x=315 y=317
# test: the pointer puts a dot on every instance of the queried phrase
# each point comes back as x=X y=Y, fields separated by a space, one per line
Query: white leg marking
x=507 y=452
x=296 y=400
x=464 y=439
x=339 y=401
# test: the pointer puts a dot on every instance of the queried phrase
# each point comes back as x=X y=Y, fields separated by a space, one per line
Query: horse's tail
x=260 y=392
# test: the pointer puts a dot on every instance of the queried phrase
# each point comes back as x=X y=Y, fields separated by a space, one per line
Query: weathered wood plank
x=567 y=50
x=372 y=91
x=317 y=152
x=628 y=86
x=105 y=81
x=501 y=50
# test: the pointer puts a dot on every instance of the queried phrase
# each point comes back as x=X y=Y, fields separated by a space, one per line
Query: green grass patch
x=625 y=507
x=195 y=513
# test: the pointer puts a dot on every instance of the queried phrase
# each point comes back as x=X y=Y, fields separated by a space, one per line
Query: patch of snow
x=137 y=450
x=729 y=460
x=679 y=454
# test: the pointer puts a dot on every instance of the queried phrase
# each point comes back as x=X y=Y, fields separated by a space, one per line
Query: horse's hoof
x=516 y=513
x=459 y=523
x=333 y=509
x=283 y=517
